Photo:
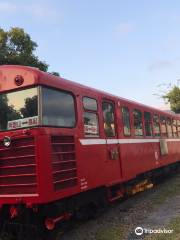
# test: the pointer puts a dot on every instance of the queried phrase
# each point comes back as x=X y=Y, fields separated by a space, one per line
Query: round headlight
x=18 y=80
x=7 y=141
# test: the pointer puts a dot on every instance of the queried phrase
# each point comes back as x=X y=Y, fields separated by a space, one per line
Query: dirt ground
x=157 y=209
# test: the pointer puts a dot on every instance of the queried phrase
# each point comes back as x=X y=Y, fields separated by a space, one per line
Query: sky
x=129 y=48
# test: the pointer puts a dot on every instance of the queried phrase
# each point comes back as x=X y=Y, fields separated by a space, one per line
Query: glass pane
x=126 y=121
x=147 y=116
x=57 y=108
x=178 y=127
x=169 y=127
x=174 y=128
x=90 y=103
x=108 y=114
x=138 y=131
x=156 y=125
x=148 y=124
x=19 y=109
x=163 y=126
x=91 y=127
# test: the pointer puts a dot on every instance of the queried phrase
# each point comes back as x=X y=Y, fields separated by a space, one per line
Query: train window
x=57 y=108
x=169 y=127
x=126 y=121
x=156 y=126
x=138 y=128
x=91 y=126
x=19 y=109
x=163 y=126
x=90 y=103
x=148 y=124
x=175 y=128
x=109 y=121
x=178 y=127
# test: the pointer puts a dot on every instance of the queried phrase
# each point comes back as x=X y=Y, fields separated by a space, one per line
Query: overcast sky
x=125 y=47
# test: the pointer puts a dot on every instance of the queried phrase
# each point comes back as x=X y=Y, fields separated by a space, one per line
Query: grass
x=168 y=189
x=174 y=225
x=111 y=233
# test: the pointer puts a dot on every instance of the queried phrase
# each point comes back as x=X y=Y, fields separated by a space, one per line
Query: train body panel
x=107 y=140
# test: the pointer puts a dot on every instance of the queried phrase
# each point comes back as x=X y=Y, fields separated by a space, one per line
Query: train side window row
x=143 y=123
x=153 y=124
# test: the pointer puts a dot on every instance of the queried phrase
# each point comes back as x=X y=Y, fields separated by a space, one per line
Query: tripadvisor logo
x=139 y=231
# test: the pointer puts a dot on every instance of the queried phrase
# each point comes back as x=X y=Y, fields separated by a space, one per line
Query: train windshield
x=58 y=108
x=19 y=109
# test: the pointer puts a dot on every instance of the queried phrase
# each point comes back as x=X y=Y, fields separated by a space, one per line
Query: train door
x=112 y=145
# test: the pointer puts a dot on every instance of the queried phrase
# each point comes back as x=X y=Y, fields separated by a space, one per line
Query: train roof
x=33 y=76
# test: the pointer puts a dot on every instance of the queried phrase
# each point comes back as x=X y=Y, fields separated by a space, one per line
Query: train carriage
x=64 y=145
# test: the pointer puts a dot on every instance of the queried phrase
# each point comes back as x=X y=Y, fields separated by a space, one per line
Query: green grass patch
x=110 y=233
x=174 y=225
x=169 y=189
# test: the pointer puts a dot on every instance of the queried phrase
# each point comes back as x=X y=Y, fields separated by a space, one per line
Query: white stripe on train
x=101 y=141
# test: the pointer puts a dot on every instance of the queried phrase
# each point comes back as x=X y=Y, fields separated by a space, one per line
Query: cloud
x=39 y=10
x=125 y=28
x=163 y=64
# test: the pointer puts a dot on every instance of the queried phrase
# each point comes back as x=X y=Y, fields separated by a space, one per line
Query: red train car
x=64 y=145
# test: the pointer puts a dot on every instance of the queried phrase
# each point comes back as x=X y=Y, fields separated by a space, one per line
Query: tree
x=9 y=112
x=31 y=107
x=173 y=97
x=55 y=74
x=16 y=47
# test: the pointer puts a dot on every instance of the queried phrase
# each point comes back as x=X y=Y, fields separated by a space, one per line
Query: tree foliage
x=55 y=74
x=30 y=108
x=9 y=113
x=17 y=47
x=173 y=97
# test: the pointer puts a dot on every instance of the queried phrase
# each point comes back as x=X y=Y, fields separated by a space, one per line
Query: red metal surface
x=64 y=162
x=18 y=167
x=45 y=163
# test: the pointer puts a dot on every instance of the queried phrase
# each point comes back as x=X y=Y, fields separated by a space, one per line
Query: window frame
x=60 y=90
x=97 y=117
x=156 y=115
x=163 y=118
x=91 y=111
x=150 y=124
x=169 y=126
x=86 y=109
x=130 y=128
x=140 y=111
x=176 y=126
x=114 y=112
x=38 y=105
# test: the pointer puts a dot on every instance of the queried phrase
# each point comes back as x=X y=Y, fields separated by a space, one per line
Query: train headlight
x=19 y=80
x=7 y=141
